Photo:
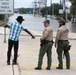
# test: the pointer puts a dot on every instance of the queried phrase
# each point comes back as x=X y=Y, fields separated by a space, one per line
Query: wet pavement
x=29 y=50
x=36 y=23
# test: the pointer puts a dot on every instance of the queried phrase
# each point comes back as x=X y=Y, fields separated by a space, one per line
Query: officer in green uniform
x=61 y=41
x=46 y=46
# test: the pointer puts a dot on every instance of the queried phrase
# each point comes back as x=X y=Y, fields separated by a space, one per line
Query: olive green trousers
x=47 y=48
x=60 y=51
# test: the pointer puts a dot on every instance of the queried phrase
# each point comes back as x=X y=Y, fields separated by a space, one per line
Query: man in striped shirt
x=15 y=29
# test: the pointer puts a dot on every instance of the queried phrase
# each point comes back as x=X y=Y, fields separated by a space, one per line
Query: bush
x=58 y=18
x=1 y=17
x=64 y=17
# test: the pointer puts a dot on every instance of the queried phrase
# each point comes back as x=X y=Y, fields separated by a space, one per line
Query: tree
x=73 y=8
x=25 y=10
x=50 y=11
x=54 y=8
x=43 y=11
x=72 y=1
x=1 y=17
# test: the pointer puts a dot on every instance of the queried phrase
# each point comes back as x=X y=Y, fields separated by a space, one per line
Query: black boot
x=8 y=63
x=14 y=63
x=59 y=67
x=47 y=68
x=68 y=68
x=37 y=68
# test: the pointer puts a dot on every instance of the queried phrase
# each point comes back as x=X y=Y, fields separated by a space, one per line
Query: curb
x=40 y=36
x=16 y=71
x=1 y=25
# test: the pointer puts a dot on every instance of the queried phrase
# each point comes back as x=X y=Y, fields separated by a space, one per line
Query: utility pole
x=46 y=9
x=39 y=2
x=35 y=6
x=63 y=5
x=5 y=29
x=61 y=2
x=50 y=8
x=64 y=9
x=39 y=9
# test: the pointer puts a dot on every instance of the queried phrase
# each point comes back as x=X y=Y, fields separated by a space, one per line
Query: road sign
x=6 y=6
x=67 y=10
x=60 y=11
x=42 y=1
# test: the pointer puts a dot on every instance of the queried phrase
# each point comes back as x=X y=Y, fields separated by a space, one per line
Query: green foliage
x=1 y=17
x=72 y=1
x=25 y=10
x=60 y=16
x=43 y=11
x=22 y=10
x=73 y=7
x=69 y=16
x=72 y=10
x=55 y=8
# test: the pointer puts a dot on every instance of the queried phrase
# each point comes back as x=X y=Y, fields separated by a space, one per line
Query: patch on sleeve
x=45 y=29
x=51 y=31
x=58 y=31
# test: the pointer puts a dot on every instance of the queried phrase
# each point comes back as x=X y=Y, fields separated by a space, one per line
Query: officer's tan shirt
x=62 y=34
x=47 y=34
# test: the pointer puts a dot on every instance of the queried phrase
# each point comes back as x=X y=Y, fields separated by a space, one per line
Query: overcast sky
x=28 y=3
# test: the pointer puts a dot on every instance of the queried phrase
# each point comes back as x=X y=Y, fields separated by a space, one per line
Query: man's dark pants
x=10 y=45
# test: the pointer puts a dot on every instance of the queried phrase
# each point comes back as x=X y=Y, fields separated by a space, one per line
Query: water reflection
x=72 y=27
x=36 y=23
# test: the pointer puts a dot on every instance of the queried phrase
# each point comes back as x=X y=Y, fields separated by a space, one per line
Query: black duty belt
x=62 y=40
x=43 y=42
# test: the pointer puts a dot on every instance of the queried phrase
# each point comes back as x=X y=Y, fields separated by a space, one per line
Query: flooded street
x=36 y=23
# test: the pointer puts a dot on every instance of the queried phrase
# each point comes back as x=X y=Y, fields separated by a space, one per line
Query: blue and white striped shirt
x=15 y=29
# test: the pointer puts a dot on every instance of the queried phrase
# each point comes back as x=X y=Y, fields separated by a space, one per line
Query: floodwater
x=36 y=23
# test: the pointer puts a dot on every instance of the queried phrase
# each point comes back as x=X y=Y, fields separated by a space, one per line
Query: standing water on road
x=36 y=23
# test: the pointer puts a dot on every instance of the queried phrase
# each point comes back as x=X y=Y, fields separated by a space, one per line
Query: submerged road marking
x=38 y=52
x=54 y=65
x=33 y=45
x=29 y=46
x=30 y=53
x=31 y=67
x=37 y=46
x=73 y=50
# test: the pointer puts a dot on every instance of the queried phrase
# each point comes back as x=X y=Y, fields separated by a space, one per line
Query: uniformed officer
x=46 y=46
x=60 y=42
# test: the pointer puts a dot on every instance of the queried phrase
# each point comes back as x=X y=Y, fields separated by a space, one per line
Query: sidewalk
x=4 y=68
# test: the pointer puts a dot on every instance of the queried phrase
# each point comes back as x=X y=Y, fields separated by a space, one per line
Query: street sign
x=67 y=10
x=42 y=1
x=6 y=6
x=60 y=11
